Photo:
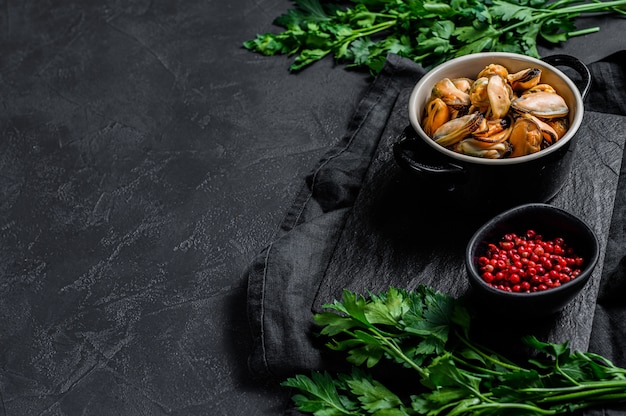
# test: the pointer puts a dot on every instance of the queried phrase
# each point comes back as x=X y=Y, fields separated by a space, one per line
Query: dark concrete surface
x=145 y=157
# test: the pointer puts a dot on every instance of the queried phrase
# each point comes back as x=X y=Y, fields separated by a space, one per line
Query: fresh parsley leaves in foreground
x=428 y=333
x=428 y=32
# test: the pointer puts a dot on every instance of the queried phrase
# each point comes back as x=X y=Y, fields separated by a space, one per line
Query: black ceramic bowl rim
x=470 y=65
x=581 y=280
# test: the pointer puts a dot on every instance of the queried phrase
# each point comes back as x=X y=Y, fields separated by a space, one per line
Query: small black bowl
x=549 y=221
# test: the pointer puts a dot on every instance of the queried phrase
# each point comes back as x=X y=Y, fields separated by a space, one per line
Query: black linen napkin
x=360 y=223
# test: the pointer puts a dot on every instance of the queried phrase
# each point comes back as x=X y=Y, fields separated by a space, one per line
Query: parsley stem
x=371 y=30
x=616 y=371
x=586 y=394
x=595 y=401
x=609 y=384
x=393 y=348
x=591 y=7
x=560 y=3
x=558 y=369
x=480 y=370
x=458 y=376
x=583 y=31
x=581 y=8
x=488 y=355
x=502 y=406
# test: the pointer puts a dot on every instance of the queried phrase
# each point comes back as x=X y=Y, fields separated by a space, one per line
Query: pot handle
x=416 y=157
x=575 y=64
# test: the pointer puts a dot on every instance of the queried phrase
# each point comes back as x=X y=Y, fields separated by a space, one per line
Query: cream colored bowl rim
x=429 y=79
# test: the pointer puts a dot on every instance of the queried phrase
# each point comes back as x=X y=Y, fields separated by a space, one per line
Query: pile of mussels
x=498 y=115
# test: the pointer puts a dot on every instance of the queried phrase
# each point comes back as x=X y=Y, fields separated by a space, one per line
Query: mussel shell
x=525 y=79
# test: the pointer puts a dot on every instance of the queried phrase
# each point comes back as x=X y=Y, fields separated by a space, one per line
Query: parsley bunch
x=427 y=333
x=427 y=31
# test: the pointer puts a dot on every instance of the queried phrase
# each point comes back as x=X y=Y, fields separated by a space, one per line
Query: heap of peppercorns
x=528 y=263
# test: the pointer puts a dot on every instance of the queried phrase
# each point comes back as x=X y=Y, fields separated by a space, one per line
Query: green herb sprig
x=428 y=333
x=429 y=32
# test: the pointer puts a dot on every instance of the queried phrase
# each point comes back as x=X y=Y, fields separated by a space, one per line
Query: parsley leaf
x=322 y=395
x=428 y=333
x=362 y=32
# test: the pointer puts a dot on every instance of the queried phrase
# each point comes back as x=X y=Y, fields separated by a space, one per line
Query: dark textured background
x=145 y=158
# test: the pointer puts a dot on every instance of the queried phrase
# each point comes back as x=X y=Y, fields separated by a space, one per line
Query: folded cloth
x=608 y=334
x=359 y=223
x=284 y=277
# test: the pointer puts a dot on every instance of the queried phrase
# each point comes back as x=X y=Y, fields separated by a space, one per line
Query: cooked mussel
x=530 y=134
x=437 y=113
x=525 y=137
x=494 y=69
x=450 y=94
x=494 y=131
x=540 y=88
x=560 y=126
x=541 y=104
x=524 y=79
x=491 y=95
x=479 y=97
x=499 y=114
x=457 y=129
x=463 y=84
x=500 y=94
x=474 y=147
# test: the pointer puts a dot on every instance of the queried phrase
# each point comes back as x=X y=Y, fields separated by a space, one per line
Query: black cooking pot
x=494 y=184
